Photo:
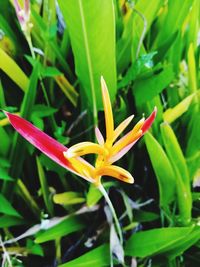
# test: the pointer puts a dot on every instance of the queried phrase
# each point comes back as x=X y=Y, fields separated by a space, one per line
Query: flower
x=23 y=15
x=108 y=151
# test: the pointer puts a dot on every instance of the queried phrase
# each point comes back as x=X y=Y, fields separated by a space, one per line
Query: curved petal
x=122 y=127
x=148 y=122
x=40 y=140
x=27 y=7
x=122 y=152
x=19 y=11
x=84 y=148
x=116 y=172
x=107 y=111
x=99 y=136
x=82 y=168
x=130 y=137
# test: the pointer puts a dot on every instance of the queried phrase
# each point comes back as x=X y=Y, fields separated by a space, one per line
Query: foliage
x=149 y=55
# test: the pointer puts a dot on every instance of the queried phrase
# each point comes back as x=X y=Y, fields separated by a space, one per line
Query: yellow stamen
x=117 y=172
x=84 y=148
x=107 y=111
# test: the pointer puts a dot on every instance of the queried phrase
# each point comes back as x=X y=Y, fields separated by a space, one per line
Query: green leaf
x=33 y=248
x=144 y=216
x=171 y=114
x=178 y=162
x=9 y=220
x=192 y=69
x=6 y=208
x=156 y=241
x=2 y=97
x=146 y=88
x=142 y=64
x=193 y=144
x=164 y=172
x=176 y=14
x=5 y=145
x=99 y=256
x=67 y=226
x=68 y=198
x=10 y=67
x=175 y=152
x=192 y=33
x=91 y=26
x=179 y=247
x=124 y=44
x=94 y=195
x=44 y=187
x=4 y=175
x=164 y=48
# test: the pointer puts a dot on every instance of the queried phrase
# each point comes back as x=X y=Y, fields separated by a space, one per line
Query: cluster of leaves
x=148 y=53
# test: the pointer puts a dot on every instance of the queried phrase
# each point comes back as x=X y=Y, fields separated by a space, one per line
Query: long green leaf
x=6 y=207
x=145 y=89
x=178 y=162
x=187 y=242
x=163 y=170
x=174 y=18
x=97 y=257
x=91 y=26
x=65 y=227
x=171 y=114
x=10 y=67
x=155 y=241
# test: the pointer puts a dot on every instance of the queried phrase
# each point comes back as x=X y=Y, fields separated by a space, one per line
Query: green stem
x=106 y=196
x=29 y=41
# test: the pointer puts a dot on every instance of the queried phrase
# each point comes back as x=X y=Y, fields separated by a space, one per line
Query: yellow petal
x=130 y=137
x=107 y=111
x=84 y=148
x=122 y=127
x=116 y=172
x=82 y=168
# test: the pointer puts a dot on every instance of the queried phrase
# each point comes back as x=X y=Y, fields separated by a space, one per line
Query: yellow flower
x=109 y=150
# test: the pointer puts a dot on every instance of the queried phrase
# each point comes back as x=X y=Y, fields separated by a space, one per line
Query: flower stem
x=29 y=41
x=106 y=196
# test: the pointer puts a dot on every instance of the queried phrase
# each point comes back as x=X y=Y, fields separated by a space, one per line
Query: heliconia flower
x=108 y=151
x=23 y=15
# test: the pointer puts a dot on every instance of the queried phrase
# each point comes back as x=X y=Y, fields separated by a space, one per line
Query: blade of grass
x=15 y=73
x=45 y=188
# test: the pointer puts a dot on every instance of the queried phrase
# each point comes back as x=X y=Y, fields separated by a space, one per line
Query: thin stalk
x=106 y=196
x=6 y=256
x=143 y=31
x=58 y=250
x=29 y=41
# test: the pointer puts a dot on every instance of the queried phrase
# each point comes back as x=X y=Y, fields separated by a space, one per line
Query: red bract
x=148 y=122
x=40 y=140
